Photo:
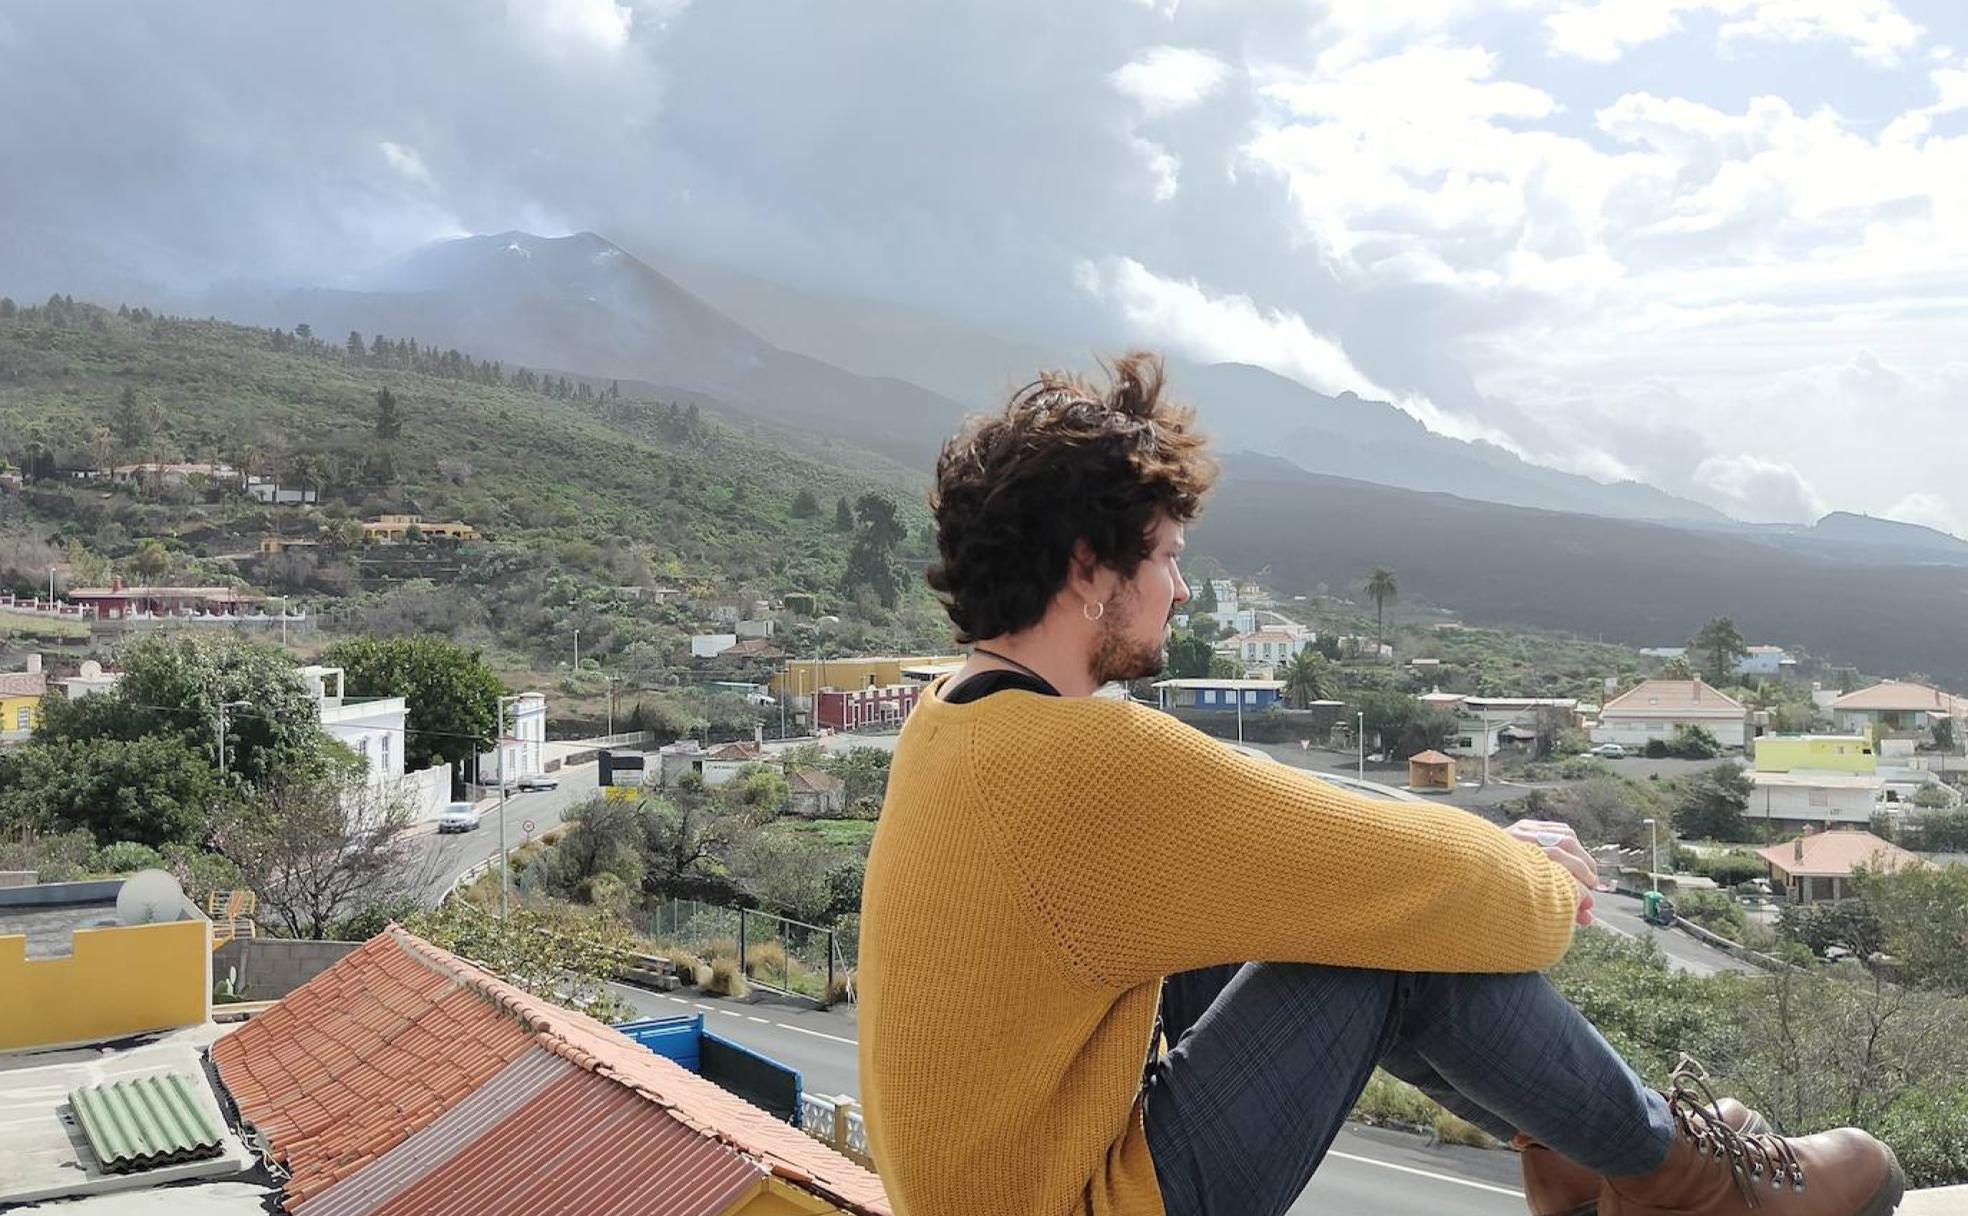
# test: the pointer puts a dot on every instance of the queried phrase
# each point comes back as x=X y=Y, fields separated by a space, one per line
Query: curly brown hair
x=1064 y=462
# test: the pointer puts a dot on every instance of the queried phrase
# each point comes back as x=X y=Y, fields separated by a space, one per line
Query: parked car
x=457 y=817
x=538 y=781
x=1609 y=751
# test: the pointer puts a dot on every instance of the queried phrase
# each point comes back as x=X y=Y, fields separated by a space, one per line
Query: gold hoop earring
x=1092 y=611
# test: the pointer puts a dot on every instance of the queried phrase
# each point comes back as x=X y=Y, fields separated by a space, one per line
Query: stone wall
x=271 y=967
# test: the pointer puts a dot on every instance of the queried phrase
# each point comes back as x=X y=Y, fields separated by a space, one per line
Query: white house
x=523 y=741
x=1654 y=709
x=375 y=729
x=1271 y=646
x=1895 y=706
x=1763 y=661
x=90 y=680
x=1814 y=796
x=716 y=765
x=711 y=645
x=1485 y=724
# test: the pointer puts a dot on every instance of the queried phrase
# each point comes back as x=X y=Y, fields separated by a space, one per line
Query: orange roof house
x=403 y=1078
x=1431 y=770
x=1819 y=865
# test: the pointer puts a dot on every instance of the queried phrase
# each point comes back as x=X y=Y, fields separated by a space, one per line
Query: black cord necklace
x=1007 y=659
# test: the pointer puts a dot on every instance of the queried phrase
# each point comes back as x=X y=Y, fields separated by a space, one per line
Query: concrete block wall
x=270 y=967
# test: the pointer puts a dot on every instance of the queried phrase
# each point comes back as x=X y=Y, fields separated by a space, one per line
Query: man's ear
x=1083 y=573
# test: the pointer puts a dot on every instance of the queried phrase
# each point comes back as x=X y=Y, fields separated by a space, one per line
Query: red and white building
x=117 y=602
x=866 y=708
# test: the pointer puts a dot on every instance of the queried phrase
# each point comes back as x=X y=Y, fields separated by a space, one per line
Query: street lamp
x=1653 y=840
x=1360 y=741
x=499 y=737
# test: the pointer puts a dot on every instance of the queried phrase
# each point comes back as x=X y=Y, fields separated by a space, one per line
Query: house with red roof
x=404 y=1079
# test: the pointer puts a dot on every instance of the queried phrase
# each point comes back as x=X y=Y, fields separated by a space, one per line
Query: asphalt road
x=1367 y=1170
x=442 y=858
x=1621 y=914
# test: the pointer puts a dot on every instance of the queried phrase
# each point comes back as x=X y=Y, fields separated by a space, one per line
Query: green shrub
x=1656 y=749
x=1691 y=743
x=1731 y=868
x=124 y=857
x=1390 y=1102
x=1715 y=912
x=1929 y=1134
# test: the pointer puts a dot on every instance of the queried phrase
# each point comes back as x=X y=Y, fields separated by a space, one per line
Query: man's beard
x=1117 y=656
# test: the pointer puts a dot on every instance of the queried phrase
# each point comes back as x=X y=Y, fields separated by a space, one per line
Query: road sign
x=526 y=825
x=621 y=793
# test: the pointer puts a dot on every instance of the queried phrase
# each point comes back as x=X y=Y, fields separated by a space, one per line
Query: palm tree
x=1308 y=678
x=1381 y=586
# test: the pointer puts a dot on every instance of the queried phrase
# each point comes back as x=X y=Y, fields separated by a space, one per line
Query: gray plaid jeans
x=1266 y=1059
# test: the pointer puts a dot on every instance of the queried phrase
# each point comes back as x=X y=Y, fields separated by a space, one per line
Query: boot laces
x=1751 y=1159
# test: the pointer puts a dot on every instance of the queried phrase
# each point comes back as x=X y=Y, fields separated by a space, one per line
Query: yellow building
x=73 y=979
x=1822 y=753
x=803 y=677
x=20 y=699
x=395 y=529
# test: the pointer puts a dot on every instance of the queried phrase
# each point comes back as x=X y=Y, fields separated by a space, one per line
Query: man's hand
x=1561 y=845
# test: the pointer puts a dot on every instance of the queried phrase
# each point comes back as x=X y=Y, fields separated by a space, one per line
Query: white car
x=537 y=781
x=1609 y=751
x=457 y=817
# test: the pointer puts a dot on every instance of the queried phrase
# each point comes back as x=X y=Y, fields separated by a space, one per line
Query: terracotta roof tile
x=392 y=1039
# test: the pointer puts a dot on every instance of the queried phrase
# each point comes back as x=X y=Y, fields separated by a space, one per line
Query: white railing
x=837 y=1123
x=221 y=618
x=40 y=607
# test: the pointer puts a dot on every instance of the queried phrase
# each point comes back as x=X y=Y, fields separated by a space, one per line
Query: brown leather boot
x=1555 y=1185
x=1714 y=1170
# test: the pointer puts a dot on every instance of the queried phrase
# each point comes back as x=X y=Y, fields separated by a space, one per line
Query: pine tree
x=389 y=423
x=7 y=307
x=615 y=393
x=805 y=506
x=379 y=348
x=843 y=516
x=355 y=348
x=128 y=422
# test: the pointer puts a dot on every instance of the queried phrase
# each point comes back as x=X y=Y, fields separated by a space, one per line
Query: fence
x=837 y=1122
x=775 y=952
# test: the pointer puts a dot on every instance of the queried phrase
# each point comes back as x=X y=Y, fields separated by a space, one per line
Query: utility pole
x=577 y=650
x=1240 y=717
x=1360 y=738
x=611 y=701
x=500 y=736
x=223 y=707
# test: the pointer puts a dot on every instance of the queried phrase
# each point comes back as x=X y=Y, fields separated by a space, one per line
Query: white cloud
x=1603 y=30
x=1756 y=488
x=601 y=25
x=1169 y=78
x=1180 y=314
x=404 y=160
x=1927 y=510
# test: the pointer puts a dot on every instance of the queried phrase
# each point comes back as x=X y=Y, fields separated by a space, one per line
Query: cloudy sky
x=1721 y=245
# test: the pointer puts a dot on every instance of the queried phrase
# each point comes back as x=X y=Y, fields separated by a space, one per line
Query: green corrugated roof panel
x=143 y=1122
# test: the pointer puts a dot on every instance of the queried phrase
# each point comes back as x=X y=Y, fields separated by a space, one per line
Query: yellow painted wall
x=118 y=981
x=10 y=708
x=776 y=1197
x=1827 y=753
x=803 y=676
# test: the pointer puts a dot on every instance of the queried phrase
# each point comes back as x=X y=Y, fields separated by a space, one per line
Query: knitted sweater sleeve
x=1150 y=848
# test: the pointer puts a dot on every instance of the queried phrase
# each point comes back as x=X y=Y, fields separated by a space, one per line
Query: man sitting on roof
x=1048 y=862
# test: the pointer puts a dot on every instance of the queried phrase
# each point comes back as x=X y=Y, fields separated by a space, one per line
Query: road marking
x=750 y=1018
x=679 y=1000
x=1409 y=1169
x=730 y=1013
x=702 y=1005
x=833 y=1038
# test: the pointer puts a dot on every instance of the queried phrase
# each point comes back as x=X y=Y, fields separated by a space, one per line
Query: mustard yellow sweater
x=1043 y=862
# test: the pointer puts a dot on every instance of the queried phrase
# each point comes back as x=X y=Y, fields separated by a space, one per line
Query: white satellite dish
x=149 y=897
